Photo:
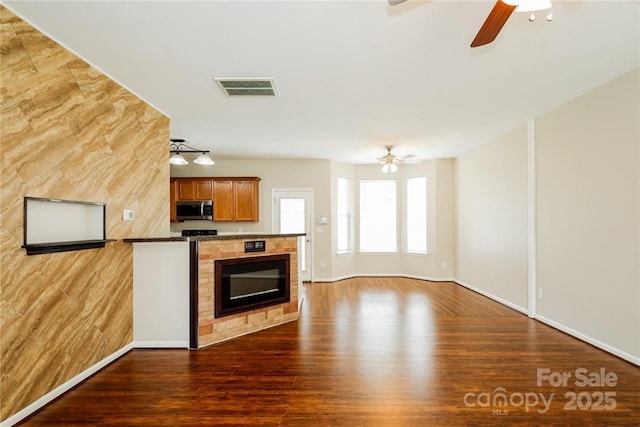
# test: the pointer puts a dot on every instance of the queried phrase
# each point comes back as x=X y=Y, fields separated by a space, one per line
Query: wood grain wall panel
x=69 y=132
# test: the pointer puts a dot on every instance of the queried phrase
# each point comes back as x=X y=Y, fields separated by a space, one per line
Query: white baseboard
x=576 y=334
x=408 y=276
x=493 y=297
x=160 y=344
x=63 y=388
x=586 y=338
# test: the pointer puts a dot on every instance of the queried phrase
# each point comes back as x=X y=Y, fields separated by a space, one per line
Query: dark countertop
x=244 y=236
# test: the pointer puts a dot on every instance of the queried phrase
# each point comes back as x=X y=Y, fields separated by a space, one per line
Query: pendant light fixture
x=178 y=146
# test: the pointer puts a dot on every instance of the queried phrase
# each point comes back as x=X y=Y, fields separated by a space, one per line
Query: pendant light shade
x=177 y=159
x=204 y=159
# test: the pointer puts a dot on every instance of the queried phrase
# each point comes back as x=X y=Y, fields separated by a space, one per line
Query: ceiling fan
x=499 y=15
x=390 y=161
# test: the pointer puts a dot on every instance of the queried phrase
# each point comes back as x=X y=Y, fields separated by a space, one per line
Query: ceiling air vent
x=247 y=86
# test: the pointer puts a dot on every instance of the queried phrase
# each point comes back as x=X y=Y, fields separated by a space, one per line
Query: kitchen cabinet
x=234 y=198
x=173 y=194
x=194 y=189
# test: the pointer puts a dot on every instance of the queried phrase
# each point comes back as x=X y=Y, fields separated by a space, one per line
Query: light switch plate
x=127 y=215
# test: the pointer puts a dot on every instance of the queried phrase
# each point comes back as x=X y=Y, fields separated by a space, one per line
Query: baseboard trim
x=559 y=326
x=161 y=344
x=590 y=340
x=493 y=297
x=63 y=388
x=408 y=276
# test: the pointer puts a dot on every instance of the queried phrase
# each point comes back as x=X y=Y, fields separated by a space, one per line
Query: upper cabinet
x=194 y=189
x=234 y=199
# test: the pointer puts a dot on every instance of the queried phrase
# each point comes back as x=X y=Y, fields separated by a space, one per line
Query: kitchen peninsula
x=199 y=290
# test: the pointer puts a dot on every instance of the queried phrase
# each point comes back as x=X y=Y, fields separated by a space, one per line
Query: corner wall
x=491 y=218
x=69 y=132
x=587 y=217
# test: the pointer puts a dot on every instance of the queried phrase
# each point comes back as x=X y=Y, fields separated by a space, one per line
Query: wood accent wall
x=69 y=132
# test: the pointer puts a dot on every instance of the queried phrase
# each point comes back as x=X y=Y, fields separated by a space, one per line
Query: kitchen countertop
x=243 y=236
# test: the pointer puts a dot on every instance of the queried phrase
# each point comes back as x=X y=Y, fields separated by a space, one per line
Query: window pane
x=378 y=216
x=292 y=220
x=344 y=215
x=417 y=215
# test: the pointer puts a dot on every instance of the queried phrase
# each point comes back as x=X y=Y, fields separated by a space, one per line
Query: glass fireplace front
x=243 y=284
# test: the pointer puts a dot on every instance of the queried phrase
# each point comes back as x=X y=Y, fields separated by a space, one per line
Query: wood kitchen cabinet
x=194 y=189
x=173 y=194
x=234 y=198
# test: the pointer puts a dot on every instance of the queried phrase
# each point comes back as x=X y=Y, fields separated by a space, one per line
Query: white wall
x=491 y=218
x=588 y=218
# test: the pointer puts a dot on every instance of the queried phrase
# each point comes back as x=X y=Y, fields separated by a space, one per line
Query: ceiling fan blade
x=395 y=2
x=493 y=24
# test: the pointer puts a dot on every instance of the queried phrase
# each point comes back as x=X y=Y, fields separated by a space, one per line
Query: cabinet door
x=186 y=189
x=223 y=200
x=194 y=189
x=173 y=193
x=246 y=202
x=203 y=189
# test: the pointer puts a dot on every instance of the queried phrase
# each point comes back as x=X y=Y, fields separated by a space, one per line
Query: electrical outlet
x=444 y=264
x=540 y=293
x=323 y=266
x=127 y=215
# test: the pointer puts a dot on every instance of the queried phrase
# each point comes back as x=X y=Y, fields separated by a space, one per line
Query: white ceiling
x=352 y=76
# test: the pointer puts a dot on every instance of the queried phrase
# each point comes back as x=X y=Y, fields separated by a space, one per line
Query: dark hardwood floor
x=368 y=351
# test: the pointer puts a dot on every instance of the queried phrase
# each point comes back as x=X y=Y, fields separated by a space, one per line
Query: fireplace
x=243 y=284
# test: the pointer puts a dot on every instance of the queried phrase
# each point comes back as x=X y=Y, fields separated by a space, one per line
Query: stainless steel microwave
x=194 y=210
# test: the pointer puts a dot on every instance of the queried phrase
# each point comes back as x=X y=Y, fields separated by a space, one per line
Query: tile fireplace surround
x=211 y=330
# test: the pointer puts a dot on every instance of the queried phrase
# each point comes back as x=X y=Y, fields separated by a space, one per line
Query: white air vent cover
x=240 y=86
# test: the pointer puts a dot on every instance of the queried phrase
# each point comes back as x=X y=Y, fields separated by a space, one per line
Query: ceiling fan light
x=177 y=159
x=389 y=167
x=204 y=159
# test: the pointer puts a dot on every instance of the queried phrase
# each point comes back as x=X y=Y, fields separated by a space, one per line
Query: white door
x=292 y=214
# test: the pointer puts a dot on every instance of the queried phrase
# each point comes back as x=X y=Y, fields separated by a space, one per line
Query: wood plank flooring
x=366 y=352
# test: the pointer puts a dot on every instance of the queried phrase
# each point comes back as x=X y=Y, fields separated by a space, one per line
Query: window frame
x=348 y=216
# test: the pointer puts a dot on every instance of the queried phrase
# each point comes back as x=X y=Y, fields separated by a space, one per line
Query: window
x=417 y=215
x=344 y=216
x=378 y=216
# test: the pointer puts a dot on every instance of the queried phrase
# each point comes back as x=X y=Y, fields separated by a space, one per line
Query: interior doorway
x=292 y=213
